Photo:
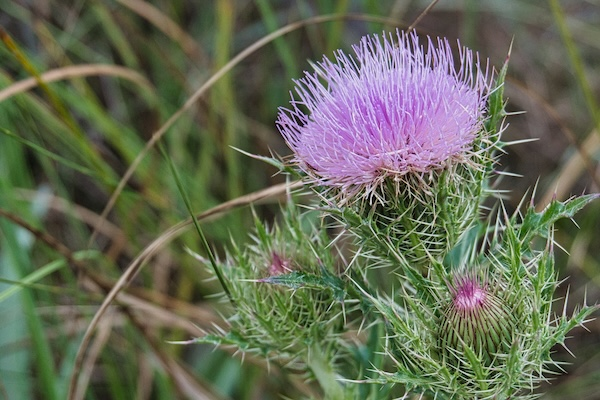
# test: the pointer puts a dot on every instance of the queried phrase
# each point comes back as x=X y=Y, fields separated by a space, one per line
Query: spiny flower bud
x=281 y=304
x=476 y=318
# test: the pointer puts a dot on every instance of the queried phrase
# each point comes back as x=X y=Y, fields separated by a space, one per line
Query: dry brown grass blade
x=571 y=171
x=139 y=301
x=151 y=249
x=209 y=83
x=156 y=316
x=117 y=237
x=104 y=331
x=75 y=71
x=49 y=240
x=185 y=382
x=424 y=13
x=136 y=297
x=584 y=153
x=145 y=377
x=167 y=26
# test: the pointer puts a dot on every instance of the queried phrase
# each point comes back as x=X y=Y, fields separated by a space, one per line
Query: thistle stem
x=325 y=374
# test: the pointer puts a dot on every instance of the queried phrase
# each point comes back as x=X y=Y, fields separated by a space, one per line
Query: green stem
x=325 y=374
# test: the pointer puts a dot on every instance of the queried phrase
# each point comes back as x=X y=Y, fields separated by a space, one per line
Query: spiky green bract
x=422 y=220
x=425 y=215
x=521 y=278
x=288 y=293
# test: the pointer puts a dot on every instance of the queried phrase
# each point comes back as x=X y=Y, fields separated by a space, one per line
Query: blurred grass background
x=85 y=85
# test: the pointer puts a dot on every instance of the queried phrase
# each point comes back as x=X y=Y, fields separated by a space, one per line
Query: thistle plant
x=488 y=332
x=400 y=142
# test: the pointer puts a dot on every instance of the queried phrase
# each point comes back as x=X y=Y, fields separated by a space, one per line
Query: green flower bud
x=278 y=286
x=477 y=318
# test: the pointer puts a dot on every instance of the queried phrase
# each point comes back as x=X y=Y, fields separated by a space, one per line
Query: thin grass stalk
x=208 y=84
x=576 y=62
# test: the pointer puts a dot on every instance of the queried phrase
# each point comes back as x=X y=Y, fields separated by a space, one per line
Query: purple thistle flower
x=395 y=109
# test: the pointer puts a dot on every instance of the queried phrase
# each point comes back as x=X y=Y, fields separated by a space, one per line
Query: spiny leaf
x=299 y=279
x=280 y=165
x=537 y=224
x=232 y=338
x=565 y=325
x=496 y=101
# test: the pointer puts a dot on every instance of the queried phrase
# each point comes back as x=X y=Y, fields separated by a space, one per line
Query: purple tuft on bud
x=279 y=265
x=477 y=318
x=468 y=295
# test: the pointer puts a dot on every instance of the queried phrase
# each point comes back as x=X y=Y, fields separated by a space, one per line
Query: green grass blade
x=44 y=271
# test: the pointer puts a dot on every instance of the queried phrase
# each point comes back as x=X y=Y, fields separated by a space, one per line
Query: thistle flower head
x=476 y=318
x=393 y=110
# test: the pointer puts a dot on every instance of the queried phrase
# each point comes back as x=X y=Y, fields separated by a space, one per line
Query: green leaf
x=566 y=324
x=271 y=161
x=496 y=101
x=476 y=366
x=232 y=338
x=538 y=224
x=53 y=156
x=299 y=279
x=42 y=272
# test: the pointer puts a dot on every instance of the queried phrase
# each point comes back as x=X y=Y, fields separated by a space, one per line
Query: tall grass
x=93 y=213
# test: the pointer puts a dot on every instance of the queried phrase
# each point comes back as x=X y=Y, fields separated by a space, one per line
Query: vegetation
x=121 y=118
